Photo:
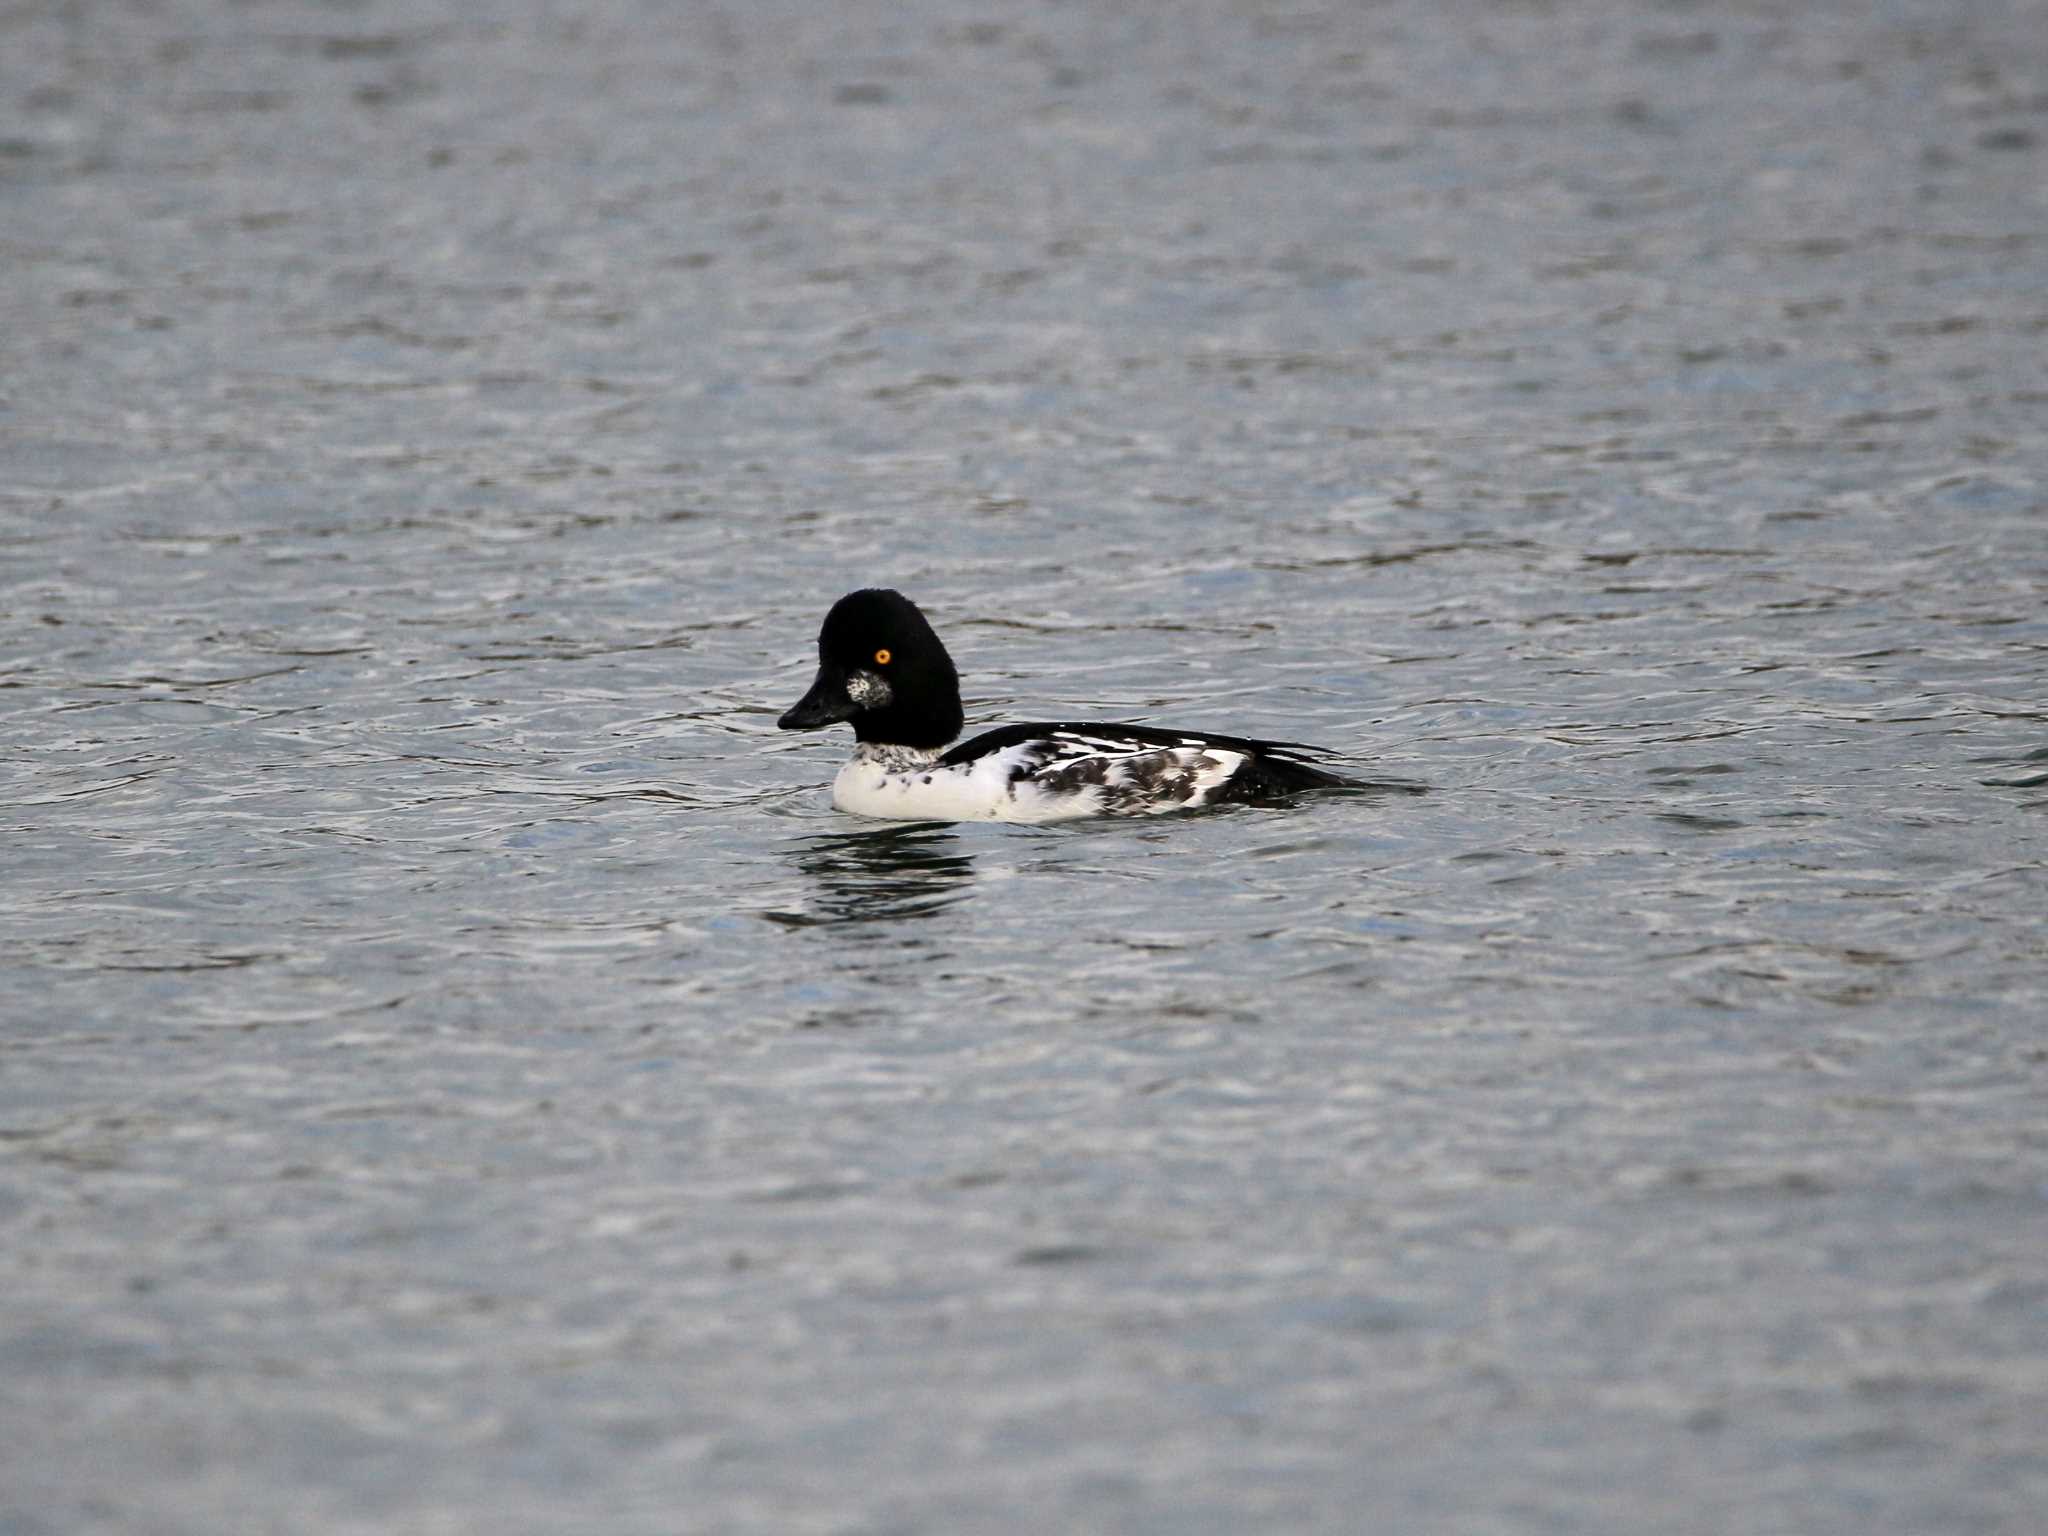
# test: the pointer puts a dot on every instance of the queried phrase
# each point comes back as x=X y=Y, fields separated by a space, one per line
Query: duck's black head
x=881 y=668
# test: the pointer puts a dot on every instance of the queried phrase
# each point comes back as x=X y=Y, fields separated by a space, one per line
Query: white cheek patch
x=867 y=690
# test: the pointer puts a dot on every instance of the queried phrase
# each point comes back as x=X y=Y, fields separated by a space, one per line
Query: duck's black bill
x=825 y=704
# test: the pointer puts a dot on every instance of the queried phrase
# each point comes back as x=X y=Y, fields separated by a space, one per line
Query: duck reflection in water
x=912 y=870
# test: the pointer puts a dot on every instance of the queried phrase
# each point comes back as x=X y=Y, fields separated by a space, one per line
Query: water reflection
x=913 y=870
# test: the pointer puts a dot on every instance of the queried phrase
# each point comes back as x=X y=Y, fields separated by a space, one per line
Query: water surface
x=459 y=1072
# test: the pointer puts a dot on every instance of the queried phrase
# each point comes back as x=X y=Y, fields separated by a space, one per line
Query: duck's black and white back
x=883 y=670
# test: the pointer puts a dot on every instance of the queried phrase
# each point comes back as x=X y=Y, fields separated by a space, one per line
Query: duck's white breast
x=977 y=791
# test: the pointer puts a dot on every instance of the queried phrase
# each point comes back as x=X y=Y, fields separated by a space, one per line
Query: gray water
x=461 y=1075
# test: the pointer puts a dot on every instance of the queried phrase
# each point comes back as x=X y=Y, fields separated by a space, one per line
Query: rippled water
x=459 y=1072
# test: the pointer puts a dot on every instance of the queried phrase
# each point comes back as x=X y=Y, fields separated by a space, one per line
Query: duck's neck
x=893 y=759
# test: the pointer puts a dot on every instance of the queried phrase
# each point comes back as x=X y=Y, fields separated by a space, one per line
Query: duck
x=883 y=670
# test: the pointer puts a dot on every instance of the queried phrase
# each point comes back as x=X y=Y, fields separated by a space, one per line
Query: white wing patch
x=1075 y=774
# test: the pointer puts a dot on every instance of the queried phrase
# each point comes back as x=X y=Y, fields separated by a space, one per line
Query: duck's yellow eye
x=882 y=657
